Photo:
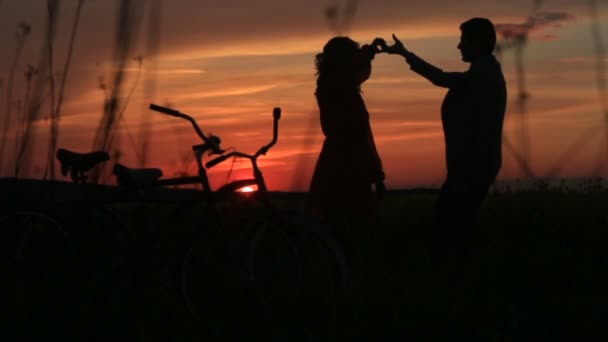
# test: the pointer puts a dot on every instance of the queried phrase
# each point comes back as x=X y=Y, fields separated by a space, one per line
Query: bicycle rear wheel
x=100 y=237
x=37 y=261
x=233 y=277
x=101 y=284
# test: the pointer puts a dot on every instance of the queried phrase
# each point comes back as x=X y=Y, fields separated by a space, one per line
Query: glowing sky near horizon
x=228 y=63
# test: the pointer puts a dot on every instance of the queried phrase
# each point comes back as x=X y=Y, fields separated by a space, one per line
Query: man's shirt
x=472 y=116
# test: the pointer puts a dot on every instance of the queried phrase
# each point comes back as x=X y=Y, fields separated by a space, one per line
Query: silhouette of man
x=472 y=116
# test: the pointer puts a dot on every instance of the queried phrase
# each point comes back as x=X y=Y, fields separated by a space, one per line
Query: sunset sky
x=229 y=62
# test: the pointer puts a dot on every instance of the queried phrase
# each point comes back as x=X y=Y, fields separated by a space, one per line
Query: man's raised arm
x=437 y=76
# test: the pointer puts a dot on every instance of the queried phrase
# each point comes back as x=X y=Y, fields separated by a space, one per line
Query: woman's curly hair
x=335 y=62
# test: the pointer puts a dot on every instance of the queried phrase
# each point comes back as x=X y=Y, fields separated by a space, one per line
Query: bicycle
x=268 y=234
x=138 y=188
x=272 y=234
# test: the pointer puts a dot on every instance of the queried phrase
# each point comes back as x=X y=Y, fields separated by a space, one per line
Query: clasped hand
x=379 y=45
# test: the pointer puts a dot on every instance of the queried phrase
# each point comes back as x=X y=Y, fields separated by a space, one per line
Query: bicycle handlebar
x=164 y=110
x=276 y=114
x=210 y=142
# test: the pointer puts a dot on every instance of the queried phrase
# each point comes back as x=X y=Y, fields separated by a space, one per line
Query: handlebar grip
x=164 y=110
x=216 y=161
x=276 y=113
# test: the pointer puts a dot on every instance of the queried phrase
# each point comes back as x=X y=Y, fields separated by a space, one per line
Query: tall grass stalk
x=121 y=113
x=30 y=73
x=56 y=110
x=52 y=8
x=45 y=74
x=126 y=24
x=600 y=73
x=152 y=51
x=21 y=34
x=518 y=41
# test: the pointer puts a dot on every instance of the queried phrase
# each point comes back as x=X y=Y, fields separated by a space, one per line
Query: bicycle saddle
x=126 y=176
x=78 y=163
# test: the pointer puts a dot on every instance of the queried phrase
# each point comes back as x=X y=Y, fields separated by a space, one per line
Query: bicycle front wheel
x=326 y=284
x=284 y=274
x=218 y=291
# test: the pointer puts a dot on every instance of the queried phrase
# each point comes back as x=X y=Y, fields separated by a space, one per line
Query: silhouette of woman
x=348 y=165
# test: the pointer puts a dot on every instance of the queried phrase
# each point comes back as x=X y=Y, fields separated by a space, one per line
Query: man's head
x=477 y=38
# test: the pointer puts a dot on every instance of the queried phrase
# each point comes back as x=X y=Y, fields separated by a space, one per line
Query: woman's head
x=342 y=60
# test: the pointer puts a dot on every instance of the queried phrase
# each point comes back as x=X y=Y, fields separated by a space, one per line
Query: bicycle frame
x=202 y=177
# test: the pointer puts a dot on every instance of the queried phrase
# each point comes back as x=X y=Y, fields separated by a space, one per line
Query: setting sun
x=247 y=189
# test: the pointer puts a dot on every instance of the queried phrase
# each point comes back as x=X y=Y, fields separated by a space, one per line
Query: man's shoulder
x=487 y=68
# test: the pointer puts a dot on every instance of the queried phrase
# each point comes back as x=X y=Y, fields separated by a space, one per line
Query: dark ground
x=536 y=271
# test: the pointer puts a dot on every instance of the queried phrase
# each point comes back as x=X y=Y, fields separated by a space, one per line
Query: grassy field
x=538 y=259
x=536 y=270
